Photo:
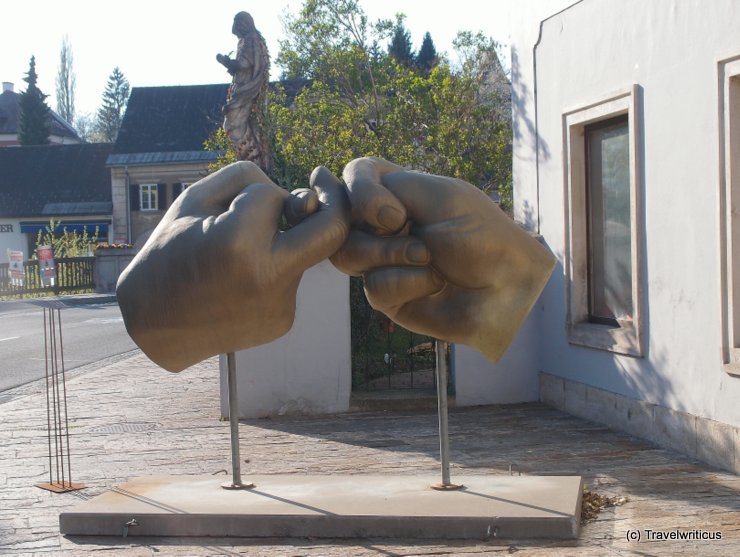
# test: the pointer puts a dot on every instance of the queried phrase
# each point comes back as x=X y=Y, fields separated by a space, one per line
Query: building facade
x=626 y=162
x=67 y=183
x=159 y=152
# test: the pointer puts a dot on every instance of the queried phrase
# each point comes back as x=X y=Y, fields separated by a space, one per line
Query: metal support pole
x=48 y=401
x=236 y=482
x=444 y=442
x=56 y=405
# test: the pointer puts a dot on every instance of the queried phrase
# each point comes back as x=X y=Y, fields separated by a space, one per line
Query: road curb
x=57 y=301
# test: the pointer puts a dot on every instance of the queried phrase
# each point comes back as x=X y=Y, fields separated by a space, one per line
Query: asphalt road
x=90 y=333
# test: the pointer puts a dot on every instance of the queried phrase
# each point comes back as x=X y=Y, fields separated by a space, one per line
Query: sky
x=164 y=42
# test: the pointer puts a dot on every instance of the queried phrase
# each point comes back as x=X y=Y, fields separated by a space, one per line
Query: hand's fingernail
x=417 y=252
x=391 y=218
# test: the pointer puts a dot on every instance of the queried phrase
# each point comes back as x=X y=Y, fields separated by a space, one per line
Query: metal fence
x=73 y=273
x=384 y=354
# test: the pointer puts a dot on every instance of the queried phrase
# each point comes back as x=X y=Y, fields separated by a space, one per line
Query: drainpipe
x=536 y=124
x=128 y=206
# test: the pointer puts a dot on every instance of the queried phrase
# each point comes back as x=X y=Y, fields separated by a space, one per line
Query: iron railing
x=384 y=354
x=73 y=273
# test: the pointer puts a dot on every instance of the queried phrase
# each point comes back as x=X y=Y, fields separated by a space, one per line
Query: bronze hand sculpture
x=480 y=276
x=217 y=275
x=437 y=255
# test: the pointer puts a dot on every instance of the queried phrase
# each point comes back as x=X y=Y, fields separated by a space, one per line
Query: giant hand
x=217 y=275
x=481 y=275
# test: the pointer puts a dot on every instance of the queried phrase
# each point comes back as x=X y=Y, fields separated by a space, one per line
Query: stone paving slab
x=130 y=419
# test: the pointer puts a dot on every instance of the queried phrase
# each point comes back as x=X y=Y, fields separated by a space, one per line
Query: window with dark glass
x=609 y=227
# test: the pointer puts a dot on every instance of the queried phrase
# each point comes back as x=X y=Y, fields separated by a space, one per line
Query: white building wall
x=308 y=370
x=513 y=379
x=11 y=238
x=524 y=35
x=516 y=377
x=670 y=49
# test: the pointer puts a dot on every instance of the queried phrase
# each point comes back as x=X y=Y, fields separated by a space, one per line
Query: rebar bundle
x=57 y=421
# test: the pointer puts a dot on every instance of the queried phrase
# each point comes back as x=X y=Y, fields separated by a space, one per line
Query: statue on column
x=245 y=106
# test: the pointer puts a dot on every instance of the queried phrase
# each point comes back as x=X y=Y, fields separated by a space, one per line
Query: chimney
x=7 y=86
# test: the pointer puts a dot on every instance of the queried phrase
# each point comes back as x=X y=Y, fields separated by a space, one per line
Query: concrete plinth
x=358 y=506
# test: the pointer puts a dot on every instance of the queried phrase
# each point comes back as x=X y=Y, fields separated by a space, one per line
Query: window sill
x=733 y=366
x=624 y=339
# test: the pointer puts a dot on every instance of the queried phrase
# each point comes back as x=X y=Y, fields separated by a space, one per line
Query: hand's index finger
x=429 y=198
x=219 y=189
x=363 y=252
x=320 y=234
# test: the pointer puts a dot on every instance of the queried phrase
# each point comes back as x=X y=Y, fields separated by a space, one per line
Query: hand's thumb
x=320 y=234
x=372 y=204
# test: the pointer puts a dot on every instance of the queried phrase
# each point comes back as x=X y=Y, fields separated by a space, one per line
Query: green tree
x=360 y=101
x=115 y=97
x=66 y=82
x=33 y=112
x=400 y=48
x=220 y=143
x=426 y=59
x=331 y=41
x=445 y=121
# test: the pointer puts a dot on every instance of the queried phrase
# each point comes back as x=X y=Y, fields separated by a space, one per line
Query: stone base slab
x=356 y=506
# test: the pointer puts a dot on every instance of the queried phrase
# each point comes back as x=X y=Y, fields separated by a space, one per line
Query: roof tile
x=34 y=176
x=170 y=119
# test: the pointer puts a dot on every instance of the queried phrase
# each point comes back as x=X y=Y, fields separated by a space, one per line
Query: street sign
x=47 y=268
x=15 y=271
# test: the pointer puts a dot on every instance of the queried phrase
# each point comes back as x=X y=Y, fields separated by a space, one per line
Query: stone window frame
x=627 y=337
x=728 y=81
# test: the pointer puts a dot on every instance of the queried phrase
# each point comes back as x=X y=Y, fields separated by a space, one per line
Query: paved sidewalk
x=129 y=418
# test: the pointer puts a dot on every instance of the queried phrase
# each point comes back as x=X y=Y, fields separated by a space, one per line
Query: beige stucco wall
x=119 y=197
x=136 y=227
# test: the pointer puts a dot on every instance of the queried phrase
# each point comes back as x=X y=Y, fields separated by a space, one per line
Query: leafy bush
x=66 y=244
